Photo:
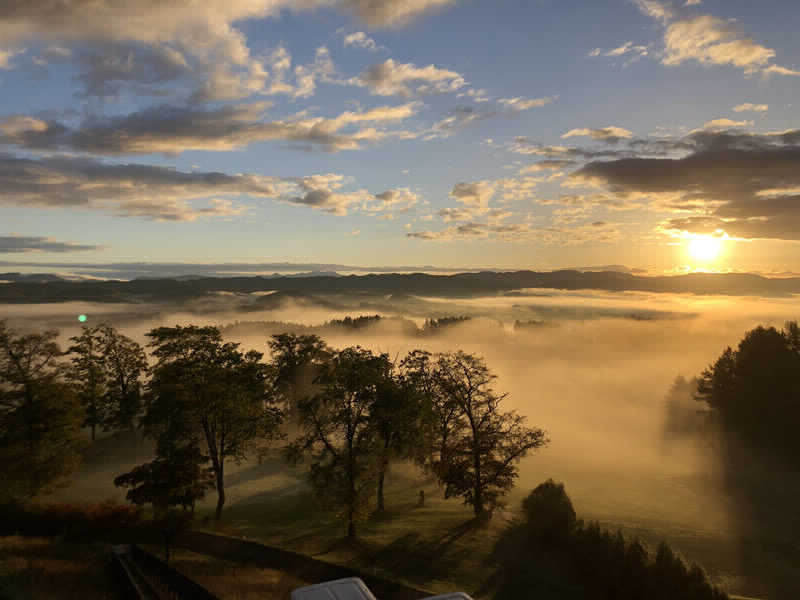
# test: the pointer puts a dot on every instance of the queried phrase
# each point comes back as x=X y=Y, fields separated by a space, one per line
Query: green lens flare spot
x=82 y=318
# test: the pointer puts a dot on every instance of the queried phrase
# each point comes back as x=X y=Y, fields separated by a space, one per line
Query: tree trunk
x=351 y=527
x=381 y=478
x=478 y=489
x=220 y=493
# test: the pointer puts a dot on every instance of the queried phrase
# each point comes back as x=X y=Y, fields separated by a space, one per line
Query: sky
x=454 y=133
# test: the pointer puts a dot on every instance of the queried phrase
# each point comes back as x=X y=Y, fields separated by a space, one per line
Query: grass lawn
x=433 y=547
x=50 y=568
x=230 y=580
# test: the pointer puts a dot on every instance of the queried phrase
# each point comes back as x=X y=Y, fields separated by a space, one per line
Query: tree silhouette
x=483 y=444
x=40 y=417
x=88 y=377
x=549 y=553
x=296 y=362
x=396 y=415
x=754 y=390
x=338 y=431
x=209 y=392
x=125 y=363
x=105 y=372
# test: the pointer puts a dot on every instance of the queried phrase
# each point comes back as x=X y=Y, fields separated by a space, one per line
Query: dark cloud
x=747 y=185
x=174 y=129
x=123 y=189
x=18 y=244
x=107 y=69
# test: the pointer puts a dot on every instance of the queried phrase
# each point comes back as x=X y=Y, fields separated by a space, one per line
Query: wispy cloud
x=15 y=244
x=390 y=78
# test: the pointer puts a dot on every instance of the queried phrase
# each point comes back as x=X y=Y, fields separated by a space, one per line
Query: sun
x=705 y=248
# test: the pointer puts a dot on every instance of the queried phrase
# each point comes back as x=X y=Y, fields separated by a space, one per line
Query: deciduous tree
x=478 y=459
x=338 y=431
x=212 y=394
x=40 y=417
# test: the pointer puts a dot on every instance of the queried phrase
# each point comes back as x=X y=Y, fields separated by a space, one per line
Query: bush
x=71 y=520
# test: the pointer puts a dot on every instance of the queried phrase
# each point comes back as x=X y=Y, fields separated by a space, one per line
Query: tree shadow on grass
x=423 y=558
x=290 y=516
x=252 y=472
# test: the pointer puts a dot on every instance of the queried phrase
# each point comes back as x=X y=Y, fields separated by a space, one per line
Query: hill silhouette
x=458 y=285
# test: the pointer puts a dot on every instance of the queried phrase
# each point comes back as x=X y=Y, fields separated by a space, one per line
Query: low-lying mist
x=593 y=369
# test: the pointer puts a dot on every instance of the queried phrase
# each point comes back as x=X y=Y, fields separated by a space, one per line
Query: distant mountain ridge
x=457 y=285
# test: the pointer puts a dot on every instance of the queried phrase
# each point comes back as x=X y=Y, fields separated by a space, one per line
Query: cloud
x=394 y=13
x=717 y=124
x=708 y=40
x=749 y=106
x=18 y=244
x=322 y=192
x=131 y=43
x=547 y=165
x=172 y=130
x=519 y=103
x=745 y=185
x=165 y=194
x=359 y=39
x=325 y=193
x=523 y=145
x=159 y=193
x=6 y=56
x=394 y=201
x=656 y=9
x=150 y=192
x=475 y=230
x=626 y=48
x=390 y=78
x=475 y=195
x=778 y=70
x=610 y=134
x=593 y=232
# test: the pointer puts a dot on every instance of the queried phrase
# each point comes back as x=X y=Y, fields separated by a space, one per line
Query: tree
x=296 y=362
x=88 y=377
x=548 y=553
x=40 y=417
x=178 y=476
x=397 y=415
x=338 y=432
x=478 y=459
x=106 y=370
x=125 y=362
x=754 y=391
x=549 y=514
x=209 y=392
x=439 y=419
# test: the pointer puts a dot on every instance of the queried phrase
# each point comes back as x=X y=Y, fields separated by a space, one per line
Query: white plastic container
x=351 y=588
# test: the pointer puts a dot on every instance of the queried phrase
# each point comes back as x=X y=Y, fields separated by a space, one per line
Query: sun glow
x=705 y=248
